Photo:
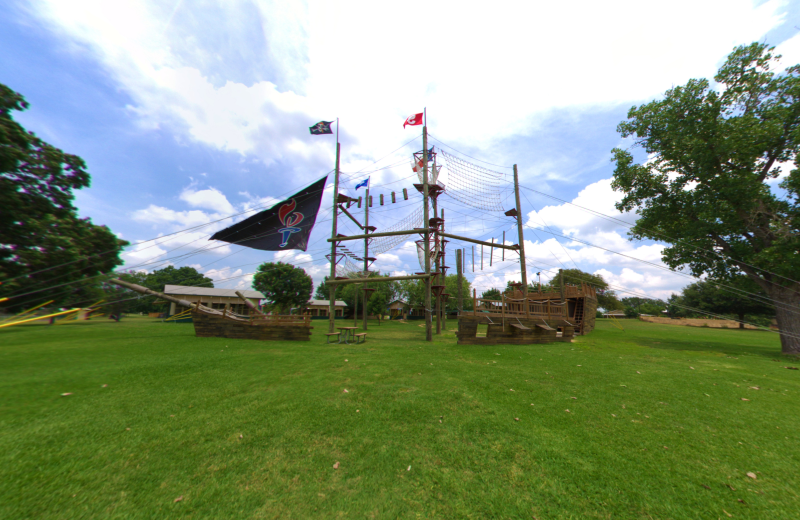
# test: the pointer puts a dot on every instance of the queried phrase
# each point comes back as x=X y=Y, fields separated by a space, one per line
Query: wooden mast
x=332 y=303
x=522 y=264
x=425 y=216
x=366 y=254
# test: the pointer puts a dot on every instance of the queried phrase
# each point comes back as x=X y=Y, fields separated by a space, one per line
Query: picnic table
x=346 y=335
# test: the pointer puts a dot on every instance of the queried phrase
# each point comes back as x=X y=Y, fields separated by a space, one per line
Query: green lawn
x=645 y=423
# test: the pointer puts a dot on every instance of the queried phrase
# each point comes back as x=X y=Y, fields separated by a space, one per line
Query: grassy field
x=657 y=421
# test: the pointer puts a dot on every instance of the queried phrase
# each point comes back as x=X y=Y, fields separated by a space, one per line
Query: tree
x=676 y=307
x=451 y=288
x=491 y=294
x=323 y=291
x=634 y=306
x=606 y=298
x=719 y=299
x=43 y=243
x=705 y=189
x=284 y=285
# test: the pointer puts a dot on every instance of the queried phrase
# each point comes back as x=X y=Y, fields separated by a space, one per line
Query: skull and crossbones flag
x=286 y=225
x=323 y=127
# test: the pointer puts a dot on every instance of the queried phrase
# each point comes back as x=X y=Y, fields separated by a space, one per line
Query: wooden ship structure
x=537 y=317
x=521 y=316
x=214 y=323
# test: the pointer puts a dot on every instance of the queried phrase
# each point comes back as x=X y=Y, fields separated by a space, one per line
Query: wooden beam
x=378 y=235
x=378 y=279
x=249 y=303
x=515 y=247
x=351 y=216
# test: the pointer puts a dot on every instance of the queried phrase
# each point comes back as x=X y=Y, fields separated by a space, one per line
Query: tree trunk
x=787 y=311
x=741 y=320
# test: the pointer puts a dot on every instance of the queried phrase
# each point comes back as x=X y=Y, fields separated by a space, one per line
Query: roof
x=187 y=290
x=327 y=303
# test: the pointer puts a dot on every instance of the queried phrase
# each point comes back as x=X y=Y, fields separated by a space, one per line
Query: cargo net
x=350 y=268
x=383 y=244
x=432 y=252
x=473 y=185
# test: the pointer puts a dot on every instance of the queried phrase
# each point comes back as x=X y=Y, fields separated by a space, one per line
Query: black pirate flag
x=323 y=127
x=286 y=225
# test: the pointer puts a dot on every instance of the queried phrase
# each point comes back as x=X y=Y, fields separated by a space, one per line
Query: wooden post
x=522 y=264
x=442 y=310
x=249 y=303
x=332 y=303
x=460 y=278
x=426 y=218
x=437 y=265
x=355 y=311
x=504 y=243
x=503 y=309
x=474 y=302
x=561 y=280
x=491 y=253
x=366 y=262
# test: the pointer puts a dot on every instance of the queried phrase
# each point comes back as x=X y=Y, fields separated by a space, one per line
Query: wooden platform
x=512 y=331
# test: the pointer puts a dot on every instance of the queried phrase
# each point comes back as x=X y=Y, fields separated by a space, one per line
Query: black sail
x=286 y=225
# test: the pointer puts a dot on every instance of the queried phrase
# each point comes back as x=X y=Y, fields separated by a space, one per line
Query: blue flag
x=363 y=184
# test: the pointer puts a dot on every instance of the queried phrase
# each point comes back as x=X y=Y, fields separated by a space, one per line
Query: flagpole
x=332 y=303
x=427 y=250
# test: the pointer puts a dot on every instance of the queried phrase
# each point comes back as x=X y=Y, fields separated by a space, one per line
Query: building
x=401 y=309
x=319 y=308
x=213 y=298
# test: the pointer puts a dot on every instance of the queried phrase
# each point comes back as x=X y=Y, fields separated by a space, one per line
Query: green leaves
x=704 y=187
x=39 y=227
x=284 y=285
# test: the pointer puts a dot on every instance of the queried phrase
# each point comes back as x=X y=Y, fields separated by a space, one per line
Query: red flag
x=414 y=120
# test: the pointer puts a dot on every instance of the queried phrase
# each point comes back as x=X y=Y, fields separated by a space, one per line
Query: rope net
x=383 y=244
x=352 y=263
x=473 y=185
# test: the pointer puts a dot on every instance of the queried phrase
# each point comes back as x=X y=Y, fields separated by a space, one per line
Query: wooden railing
x=518 y=308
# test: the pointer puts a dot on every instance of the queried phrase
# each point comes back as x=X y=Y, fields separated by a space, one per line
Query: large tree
x=284 y=285
x=708 y=187
x=729 y=297
x=44 y=246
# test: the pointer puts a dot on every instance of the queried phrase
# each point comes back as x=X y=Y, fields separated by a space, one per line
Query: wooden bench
x=360 y=338
x=329 y=334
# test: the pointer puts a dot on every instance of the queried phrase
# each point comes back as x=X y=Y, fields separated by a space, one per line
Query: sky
x=196 y=115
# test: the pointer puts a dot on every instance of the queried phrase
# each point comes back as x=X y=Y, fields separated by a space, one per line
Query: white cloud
x=210 y=198
x=587 y=214
x=492 y=75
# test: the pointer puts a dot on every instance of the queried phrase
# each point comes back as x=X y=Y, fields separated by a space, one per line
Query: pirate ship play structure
x=520 y=317
x=223 y=324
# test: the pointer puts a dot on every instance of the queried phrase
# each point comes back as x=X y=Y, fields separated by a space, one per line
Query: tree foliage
x=283 y=285
x=727 y=297
x=634 y=306
x=707 y=188
x=156 y=281
x=606 y=298
x=39 y=226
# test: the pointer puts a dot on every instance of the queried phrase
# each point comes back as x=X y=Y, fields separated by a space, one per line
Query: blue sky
x=189 y=112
